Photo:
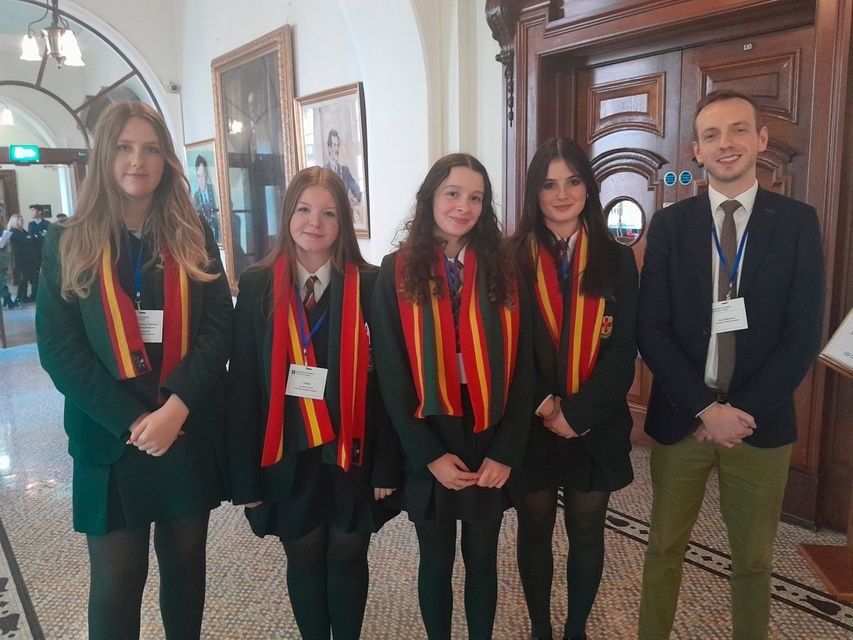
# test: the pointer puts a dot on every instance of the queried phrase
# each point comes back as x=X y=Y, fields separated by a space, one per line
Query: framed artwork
x=201 y=172
x=255 y=145
x=331 y=133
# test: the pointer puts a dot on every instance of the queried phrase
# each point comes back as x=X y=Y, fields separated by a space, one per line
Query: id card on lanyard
x=729 y=314
x=304 y=381
x=150 y=320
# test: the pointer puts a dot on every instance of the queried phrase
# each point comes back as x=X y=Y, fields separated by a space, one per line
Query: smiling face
x=562 y=198
x=139 y=162
x=457 y=205
x=314 y=226
x=728 y=143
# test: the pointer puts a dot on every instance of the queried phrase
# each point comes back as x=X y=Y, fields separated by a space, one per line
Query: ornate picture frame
x=331 y=132
x=255 y=144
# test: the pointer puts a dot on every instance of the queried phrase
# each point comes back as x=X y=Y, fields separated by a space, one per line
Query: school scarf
x=488 y=337
x=125 y=356
x=585 y=321
x=348 y=340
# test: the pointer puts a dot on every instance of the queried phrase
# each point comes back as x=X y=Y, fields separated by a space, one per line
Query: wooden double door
x=634 y=117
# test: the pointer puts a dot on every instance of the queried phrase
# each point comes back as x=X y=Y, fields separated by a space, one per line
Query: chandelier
x=59 y=41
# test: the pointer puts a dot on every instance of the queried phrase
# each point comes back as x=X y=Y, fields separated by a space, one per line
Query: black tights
x=327 y=580
x=437 y=542
x=584 y=516
x=119 y=568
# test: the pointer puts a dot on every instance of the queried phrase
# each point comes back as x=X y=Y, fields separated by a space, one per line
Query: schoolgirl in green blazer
x=133 y=322
x=455 y=369
x=311 y=453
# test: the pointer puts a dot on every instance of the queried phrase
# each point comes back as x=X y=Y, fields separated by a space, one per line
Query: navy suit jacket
x=782 y=284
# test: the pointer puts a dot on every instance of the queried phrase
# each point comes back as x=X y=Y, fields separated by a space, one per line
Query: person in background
x=313 y=461
x=5 y=264
x=454 y=360
x=204 y=198
x=22 y=259
x=133 y=324
x=585 y=286
x=37 y=230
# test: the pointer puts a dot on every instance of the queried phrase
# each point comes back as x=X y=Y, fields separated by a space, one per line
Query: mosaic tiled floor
x=246 y=592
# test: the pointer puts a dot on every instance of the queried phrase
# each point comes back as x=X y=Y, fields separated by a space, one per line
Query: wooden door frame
x=532 y=32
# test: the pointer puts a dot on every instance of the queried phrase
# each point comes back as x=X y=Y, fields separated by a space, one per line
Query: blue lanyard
x=736 y=266
x=305 y=340
x=137 y=270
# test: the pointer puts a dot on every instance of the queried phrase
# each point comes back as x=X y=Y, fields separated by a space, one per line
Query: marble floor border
x=783 y=589
x=16 y=607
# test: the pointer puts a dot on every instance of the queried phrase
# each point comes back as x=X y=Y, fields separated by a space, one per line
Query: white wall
x=423 y=64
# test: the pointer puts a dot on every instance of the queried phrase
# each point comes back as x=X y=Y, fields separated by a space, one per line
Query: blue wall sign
x=685 y=177
x=669 y=178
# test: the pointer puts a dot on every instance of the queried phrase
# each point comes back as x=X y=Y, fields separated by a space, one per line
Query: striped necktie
x=309 y=301
x=454 y=282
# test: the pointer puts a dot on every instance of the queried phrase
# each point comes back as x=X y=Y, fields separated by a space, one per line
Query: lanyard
x=736 y=266
x=137 y=270
x=305 y=340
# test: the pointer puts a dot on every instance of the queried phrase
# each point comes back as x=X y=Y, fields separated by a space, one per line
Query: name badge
x=728 y=315
x=150 y=325
x=306 y=382
x=461 y=366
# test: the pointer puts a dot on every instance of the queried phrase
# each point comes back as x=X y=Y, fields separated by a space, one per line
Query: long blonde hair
x=173 y=220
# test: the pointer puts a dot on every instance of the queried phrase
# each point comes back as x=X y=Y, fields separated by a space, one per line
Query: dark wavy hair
x=598 y=277
x=418 y=248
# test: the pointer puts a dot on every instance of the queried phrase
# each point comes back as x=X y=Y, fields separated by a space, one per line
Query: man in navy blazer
x=730 y=313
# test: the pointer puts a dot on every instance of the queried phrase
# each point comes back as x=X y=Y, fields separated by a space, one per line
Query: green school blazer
x=99 y=409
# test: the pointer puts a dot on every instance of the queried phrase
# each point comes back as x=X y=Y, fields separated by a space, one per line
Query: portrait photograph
x=201 y=172
x=331 y=133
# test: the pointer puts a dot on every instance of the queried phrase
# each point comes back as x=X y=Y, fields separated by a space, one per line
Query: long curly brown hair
x=418 y=248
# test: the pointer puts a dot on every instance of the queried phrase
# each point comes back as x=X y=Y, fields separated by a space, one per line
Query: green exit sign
x=24 y=153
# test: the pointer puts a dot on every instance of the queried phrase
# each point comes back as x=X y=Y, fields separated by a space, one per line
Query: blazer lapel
x=762 y=224
x=699 y=245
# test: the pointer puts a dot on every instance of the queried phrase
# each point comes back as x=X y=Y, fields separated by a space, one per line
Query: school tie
x=563 y=258
x=726 y=341
x=308 y=301
x=454 y=283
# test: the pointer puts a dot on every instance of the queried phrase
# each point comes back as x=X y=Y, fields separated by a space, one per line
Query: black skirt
x=317 y=494
x=551 y=462
x=140 y=489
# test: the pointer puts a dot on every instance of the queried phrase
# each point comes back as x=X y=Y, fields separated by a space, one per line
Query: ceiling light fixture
x=59 y=40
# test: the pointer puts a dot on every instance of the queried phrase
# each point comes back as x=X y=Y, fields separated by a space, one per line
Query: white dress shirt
x=324 y=277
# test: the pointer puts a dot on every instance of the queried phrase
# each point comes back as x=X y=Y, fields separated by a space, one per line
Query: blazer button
x=706 y=331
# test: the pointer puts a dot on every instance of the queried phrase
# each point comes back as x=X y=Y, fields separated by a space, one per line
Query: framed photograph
x=838 y=352
x=201 y=171
x=255 y=144
x=331 y=133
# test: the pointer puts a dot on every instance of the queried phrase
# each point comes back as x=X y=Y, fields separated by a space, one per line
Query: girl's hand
x=450 y=471
x=560 y=426
x=378 y=493
x=156 y=432
x=493 y=474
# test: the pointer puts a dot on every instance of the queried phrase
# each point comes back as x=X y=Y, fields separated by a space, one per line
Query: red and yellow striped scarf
x=586 y=313
x=354 y=354
x=128 y=349
x=488 y=338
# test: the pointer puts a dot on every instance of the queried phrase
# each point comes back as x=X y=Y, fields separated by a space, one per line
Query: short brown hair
x=726 y=94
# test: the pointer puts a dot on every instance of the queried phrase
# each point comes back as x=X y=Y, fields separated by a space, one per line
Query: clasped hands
x=553 y=419
x=155 y=432
x=450 y=471
x=724 y=425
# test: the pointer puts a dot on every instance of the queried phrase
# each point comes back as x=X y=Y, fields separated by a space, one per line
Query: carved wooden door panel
x=628 y=119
